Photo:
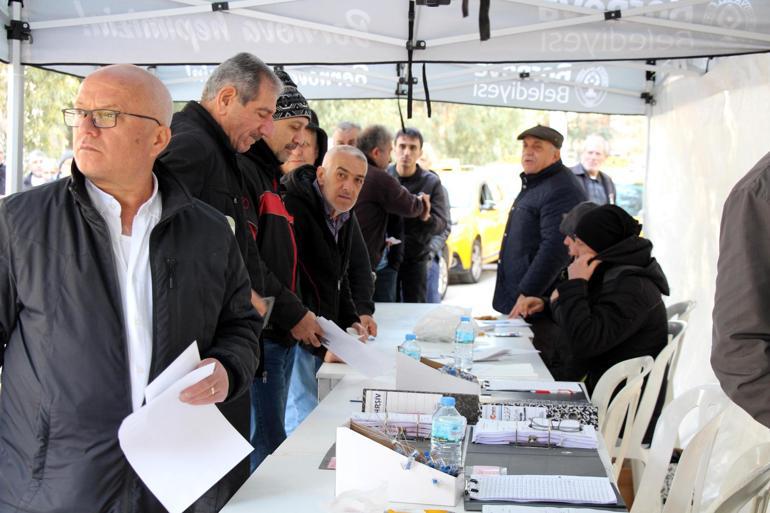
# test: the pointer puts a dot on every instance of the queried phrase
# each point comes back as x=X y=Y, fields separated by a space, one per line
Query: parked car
x=478 y=215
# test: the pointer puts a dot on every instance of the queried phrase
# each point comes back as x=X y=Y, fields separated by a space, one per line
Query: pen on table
x=540 y=392
x=426 y=511
x=356 y=400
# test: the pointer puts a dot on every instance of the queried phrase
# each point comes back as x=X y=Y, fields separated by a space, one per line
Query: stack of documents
x=528 y=488
x=490 y=432
x=410 y=424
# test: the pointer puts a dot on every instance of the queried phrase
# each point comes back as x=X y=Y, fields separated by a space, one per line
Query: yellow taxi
x=479 y=211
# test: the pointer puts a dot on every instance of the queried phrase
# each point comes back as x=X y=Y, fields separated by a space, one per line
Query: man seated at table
x=610 y=307
x=320 y=199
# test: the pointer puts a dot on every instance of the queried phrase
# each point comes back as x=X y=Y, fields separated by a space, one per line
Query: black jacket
x=272 y=228
x=324 y=263
x=609 y=186
x=201 y=156
x=65 y=382
x=532 y=252
x=417 y=233
x=618 y=314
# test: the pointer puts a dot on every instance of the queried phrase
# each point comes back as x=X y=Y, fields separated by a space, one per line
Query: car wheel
x=443 y=274
x=473 y=274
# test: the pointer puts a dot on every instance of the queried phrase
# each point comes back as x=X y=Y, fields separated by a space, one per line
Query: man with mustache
x=272 y=230
x=532 y=254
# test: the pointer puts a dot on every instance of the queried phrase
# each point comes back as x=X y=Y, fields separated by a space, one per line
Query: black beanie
x=291 y=103
x=570 y=220
x=606 y=226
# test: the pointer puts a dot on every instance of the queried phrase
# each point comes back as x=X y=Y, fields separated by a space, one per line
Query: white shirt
x=132 y=261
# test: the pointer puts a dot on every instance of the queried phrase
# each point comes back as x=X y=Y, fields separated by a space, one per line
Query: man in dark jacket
x=532 y=253
x=381 y=198
x=599 y=187
x=610 y=308
x=320 y=201
x=413 y=273
x=105 y=278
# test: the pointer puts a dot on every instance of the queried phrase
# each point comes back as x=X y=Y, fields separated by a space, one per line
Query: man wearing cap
x=272 y=232
x=610 y=307
x=532 y=253
x=598 y=185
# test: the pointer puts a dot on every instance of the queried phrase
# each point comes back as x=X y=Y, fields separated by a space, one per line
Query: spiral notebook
x=533 y=488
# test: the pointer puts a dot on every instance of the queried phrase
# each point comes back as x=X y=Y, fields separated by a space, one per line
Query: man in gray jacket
x=105 y=278
x=740 y=353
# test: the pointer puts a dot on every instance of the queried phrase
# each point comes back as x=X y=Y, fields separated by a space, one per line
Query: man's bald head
x=150 y=95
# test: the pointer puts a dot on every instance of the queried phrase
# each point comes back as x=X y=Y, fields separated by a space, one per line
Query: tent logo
x=731 y=14
x=590 y=86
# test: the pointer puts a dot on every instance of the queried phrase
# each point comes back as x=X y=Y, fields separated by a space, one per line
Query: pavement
x=476 y=295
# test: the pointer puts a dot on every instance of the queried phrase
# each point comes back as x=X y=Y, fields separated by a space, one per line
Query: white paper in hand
x=183 y=365
x=180 y=450
x=365 y=359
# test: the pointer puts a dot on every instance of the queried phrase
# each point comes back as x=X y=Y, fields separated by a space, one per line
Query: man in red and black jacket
x=272 y=232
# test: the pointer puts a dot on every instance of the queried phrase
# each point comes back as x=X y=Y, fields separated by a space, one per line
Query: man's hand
x=307 y=330
x=369 y=324
x=258 y=303
x=580 y=269
x=554 y=295
x=426 y=209
x=210 y=390
x=526 y=306
x=363 y=334
x=330 y=357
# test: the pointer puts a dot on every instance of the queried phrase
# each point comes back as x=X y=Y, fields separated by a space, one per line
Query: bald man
x=105 y=278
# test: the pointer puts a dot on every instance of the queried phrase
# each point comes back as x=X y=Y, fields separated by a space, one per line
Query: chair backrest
x=709 y=402
x=676 y=330
x=660 y=369
x=614 y=411
x=747 y=479
x=680 y=311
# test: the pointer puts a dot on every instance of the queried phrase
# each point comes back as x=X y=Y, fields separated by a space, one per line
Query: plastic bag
x=361 y=501
x=439 y=324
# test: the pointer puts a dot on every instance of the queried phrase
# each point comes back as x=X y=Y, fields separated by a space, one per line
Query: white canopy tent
x=709 y=118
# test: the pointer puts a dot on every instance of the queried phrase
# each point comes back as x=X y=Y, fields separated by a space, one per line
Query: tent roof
x=538 y=56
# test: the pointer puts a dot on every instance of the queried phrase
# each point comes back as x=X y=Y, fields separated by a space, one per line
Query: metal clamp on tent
x=18 y=30
x=220 y=6
x=612 y=15
x=648 y=98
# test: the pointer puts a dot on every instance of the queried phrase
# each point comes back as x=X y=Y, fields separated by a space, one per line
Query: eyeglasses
x=101 y=118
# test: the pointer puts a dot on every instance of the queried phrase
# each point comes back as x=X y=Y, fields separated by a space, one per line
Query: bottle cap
x=465 y=318
x=447 y=401
x=410 y=336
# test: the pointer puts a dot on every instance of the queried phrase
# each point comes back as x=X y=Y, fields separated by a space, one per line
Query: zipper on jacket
x=171 y=267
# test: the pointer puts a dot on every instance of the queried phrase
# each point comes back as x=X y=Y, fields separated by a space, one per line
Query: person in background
x=610 y=308
x=118 y=279
x=38 y=170
x=64 y=168
x=740 y=354
x=598 y=185
x=383 y=198
x=346 y=132
x=413 y=273
x=532 y=253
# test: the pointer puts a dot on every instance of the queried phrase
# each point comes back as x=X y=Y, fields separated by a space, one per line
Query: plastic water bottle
x=464 y=337
x=409 y=347
x=446 y=437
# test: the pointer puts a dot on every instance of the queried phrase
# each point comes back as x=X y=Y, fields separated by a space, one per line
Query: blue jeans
x=303 y=390
x=268 y=401
x=432 y=295
x=385 y=285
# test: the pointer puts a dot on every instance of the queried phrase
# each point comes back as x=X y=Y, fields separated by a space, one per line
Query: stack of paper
x=529 y=432
x=538 y=387
x=528 y=488
x=412 y=425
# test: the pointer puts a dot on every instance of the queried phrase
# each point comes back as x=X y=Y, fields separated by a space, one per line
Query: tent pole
x=15 y=121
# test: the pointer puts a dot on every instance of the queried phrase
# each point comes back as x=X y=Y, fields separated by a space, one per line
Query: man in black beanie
x=272 y=232
x=610 y=308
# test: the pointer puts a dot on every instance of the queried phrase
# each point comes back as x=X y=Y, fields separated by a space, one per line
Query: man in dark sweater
x=413 y=273
x=383 y=196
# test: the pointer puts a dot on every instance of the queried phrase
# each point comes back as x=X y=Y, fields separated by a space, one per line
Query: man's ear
x=161 y=140
x=319 y=174
x=225 y=97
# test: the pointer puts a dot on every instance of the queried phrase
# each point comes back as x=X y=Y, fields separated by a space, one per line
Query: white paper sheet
x=489 y=508
x=364 y=359
x=553 y=387
x=517 y=322
x=532 y=488
x=184 y=364
x=180 y=450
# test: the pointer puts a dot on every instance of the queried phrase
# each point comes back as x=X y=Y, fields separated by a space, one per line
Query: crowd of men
x=237 y=224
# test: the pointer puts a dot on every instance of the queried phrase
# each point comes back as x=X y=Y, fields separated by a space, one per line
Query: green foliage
x=45 y=94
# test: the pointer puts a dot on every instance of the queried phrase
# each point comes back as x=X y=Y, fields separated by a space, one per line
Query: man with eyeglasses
x=105 y=278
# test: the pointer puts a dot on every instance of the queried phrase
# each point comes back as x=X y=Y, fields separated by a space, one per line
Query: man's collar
x=542 y=175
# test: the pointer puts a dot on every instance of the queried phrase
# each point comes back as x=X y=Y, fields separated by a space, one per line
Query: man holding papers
x=105 y=278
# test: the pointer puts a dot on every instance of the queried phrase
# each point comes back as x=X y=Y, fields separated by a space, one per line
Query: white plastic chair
x=637 y=451
x=623 y=406
x=680 y=311
x=686 y=489
x=747 y=481
x=676 y=330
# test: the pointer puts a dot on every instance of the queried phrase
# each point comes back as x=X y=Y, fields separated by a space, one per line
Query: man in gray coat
x=105 y=278
x=740 y=353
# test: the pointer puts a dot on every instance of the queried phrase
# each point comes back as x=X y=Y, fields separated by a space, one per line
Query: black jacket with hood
x=324 y=263
x=616 y=315
x=66 y=384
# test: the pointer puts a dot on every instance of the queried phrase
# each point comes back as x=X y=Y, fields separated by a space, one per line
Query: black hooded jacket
x=616 y=315
x=323 y=263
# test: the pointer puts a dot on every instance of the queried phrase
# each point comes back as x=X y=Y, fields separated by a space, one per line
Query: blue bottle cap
x=465 y=318
x=410 y=336
x=447 y=401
